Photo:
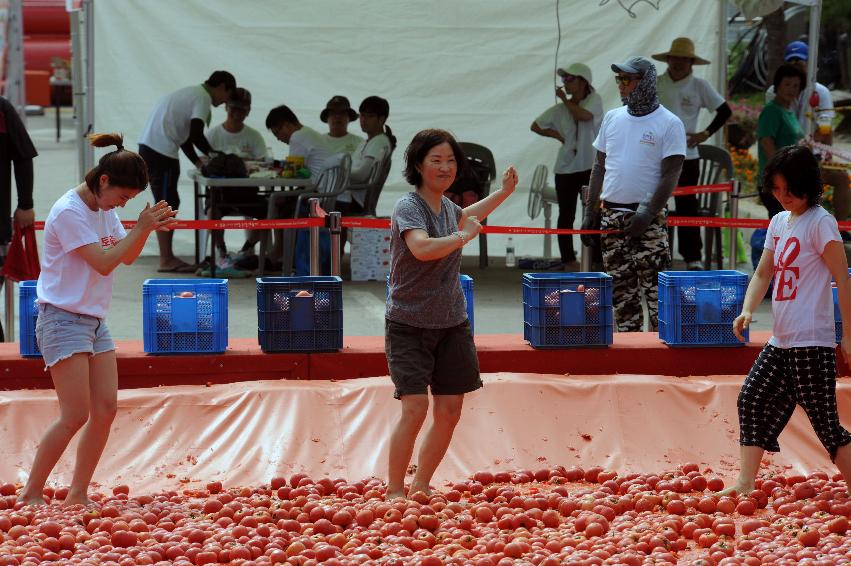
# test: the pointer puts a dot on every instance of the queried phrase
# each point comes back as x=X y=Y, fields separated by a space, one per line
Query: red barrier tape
x=701 y=189
x=384 y=224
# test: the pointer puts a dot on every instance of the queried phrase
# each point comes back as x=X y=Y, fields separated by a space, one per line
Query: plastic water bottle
x=510 y=260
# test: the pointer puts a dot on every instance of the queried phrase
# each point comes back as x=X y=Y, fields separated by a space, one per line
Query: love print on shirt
x=786 y=274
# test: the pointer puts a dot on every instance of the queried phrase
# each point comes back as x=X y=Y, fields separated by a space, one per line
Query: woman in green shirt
x=778 y=125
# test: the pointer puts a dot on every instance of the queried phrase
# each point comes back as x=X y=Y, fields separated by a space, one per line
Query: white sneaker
x=694 y=266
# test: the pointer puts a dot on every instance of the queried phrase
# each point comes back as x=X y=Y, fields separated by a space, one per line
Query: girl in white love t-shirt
x=84 y=242
x=803 y=250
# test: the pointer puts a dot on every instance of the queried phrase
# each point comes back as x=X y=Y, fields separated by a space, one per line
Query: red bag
x=22 y=258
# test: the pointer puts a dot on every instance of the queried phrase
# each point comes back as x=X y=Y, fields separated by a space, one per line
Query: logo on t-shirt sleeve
x=786 y=273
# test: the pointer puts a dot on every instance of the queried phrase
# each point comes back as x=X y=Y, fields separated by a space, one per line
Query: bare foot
x=419 y=489
x=739 y=488
x=391 y=495
x=34 y=500
x=77 y=499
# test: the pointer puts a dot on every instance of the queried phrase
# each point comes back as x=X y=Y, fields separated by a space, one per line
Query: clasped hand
x=159 y=217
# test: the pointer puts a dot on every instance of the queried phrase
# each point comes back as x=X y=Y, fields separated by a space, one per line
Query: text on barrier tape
x=702 y=189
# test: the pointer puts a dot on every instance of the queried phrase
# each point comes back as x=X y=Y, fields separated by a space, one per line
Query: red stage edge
x=638 y=353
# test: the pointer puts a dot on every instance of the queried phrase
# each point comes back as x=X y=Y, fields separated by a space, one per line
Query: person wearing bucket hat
x=685 y=95
x=640 y=151
x=338 y=114
x=819 y=124
x=574 y=121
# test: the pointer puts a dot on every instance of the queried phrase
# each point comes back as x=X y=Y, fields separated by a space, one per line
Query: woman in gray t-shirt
x=428 y=340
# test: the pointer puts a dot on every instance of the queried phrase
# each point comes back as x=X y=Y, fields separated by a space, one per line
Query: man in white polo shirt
x=177 y=123
x=684 y=94
x=338 y=114
x=640 y=151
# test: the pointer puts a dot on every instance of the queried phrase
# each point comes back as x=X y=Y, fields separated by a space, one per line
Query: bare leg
x=751 y=457
x=71 y=381
x=103 y=386
x=843 y=462
x=414 y=411
x=446 y=413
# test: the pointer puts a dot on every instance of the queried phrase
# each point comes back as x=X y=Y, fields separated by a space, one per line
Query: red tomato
x=808 y=536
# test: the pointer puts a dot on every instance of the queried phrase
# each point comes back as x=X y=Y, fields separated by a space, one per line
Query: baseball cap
x=577 y=70
x=241 y=99
x=797 y=50
x=634 y=65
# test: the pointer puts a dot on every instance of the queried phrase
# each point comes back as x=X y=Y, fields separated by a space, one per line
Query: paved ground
x=498 y=291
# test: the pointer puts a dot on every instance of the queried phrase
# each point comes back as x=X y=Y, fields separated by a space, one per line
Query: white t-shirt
x=803 y=106
x=802 y=300
x=310 y=144
x=685 y=98
x=247 y=143
x=635 y=147
x=343 y=144
x=577 y=152
x=369 y=151
x=67 y=281
x=168 y=124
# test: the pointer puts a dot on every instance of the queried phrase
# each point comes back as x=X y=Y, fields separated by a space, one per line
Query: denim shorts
x=60 y=334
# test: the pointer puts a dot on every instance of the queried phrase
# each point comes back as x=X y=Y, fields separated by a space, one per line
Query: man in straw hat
x=684 y=94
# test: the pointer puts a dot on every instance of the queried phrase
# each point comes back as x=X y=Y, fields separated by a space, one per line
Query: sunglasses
x=568 y=78
x=626 y=79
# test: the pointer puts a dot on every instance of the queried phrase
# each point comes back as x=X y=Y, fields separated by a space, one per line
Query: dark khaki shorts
x=442 y=359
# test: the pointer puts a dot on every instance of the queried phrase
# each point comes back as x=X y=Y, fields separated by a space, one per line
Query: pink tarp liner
x=246 y=433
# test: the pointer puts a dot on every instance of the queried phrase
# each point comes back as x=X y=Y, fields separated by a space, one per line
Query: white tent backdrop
x=480 y=68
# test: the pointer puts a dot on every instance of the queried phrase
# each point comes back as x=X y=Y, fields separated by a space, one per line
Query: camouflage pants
x=634 y=265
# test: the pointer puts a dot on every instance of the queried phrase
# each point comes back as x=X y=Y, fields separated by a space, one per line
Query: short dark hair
x=800 y=168
x=789 y=70
x=419 y=147
x=280 y=115
x=222 y=77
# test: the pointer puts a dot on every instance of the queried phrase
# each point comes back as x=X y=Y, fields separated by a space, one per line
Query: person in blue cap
x=640 y=151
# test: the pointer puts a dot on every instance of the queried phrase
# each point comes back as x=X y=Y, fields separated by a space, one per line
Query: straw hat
x=681 y=47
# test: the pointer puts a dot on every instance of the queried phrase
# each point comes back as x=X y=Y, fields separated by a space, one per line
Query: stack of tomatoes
x=544 y=517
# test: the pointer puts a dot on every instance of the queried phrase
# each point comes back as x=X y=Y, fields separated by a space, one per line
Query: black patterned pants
x=782 y=378
x=634 y=265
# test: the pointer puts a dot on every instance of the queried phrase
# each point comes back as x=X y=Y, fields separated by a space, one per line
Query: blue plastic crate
x=697 y=308
x=287 y=323
x=557 y=314
x=466 y=288
x=28 y=309
x=185 y=325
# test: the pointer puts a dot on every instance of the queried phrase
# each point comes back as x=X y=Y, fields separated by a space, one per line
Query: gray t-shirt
x=425 y=294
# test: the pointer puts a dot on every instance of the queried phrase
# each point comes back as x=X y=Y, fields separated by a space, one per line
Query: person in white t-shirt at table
x=803 y=252
x=377 y=147
x=338 y=114
x=303 y=141
x=84 y=241
x=640 y=152
x=177 y=124
x=234 y=136
x=574 y=121
x=685 y=95
x=818 y=123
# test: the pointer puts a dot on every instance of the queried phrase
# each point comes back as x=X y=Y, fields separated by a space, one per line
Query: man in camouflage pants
x=640 y=152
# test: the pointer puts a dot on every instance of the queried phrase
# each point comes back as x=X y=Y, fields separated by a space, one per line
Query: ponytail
x=389 y=133
x=123 y=167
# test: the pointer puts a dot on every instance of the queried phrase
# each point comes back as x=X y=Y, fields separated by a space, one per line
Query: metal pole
x=78 y=89
x=548 y=242
x=734 y=232
x=335 y=225
x=313 y=205
x=15 y=86
x=720 y=136
x=812 y=60
x=585 y=251
x=89 y=97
